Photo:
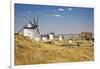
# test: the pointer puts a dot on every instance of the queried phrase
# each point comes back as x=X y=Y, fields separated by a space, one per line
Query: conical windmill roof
x=29 y=26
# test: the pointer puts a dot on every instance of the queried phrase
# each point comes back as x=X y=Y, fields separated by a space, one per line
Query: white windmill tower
x=51 y=36
x=31 y=30
x=60 y=37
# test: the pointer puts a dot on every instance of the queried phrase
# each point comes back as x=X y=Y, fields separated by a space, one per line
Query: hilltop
x=29 y=51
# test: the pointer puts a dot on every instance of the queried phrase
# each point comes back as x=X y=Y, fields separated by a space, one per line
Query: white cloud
x=54 y=15
x=70 y=9
x=29 y=11
x=60 y=9
x=57 y=15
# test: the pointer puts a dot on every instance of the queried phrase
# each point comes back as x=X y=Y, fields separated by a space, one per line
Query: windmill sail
x=38 y=31
x=34 y=21
x=21 y=29
x=30 y=22
x=36 y=25
x=37 y=20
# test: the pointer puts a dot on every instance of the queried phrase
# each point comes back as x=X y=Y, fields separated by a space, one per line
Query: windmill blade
x=34 y=21
x=30 y=22
x=21 y=29
x=37 y=20
x=38 y=31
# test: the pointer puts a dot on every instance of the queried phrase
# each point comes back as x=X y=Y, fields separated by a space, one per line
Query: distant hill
x=28 y=51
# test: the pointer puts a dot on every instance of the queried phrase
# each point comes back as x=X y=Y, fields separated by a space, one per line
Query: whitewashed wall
x=30 y=32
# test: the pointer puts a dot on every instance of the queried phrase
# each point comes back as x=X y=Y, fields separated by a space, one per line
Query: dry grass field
x=28 y=51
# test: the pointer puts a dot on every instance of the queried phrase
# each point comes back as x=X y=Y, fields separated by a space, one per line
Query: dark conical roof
x=29 y=26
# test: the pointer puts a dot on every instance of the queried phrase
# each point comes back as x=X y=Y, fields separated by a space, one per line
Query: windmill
x=31 y=29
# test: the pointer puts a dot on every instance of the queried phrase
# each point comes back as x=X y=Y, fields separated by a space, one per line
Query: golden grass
x=28 y=51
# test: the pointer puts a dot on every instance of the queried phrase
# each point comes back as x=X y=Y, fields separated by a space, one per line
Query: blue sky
x=59 y=19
